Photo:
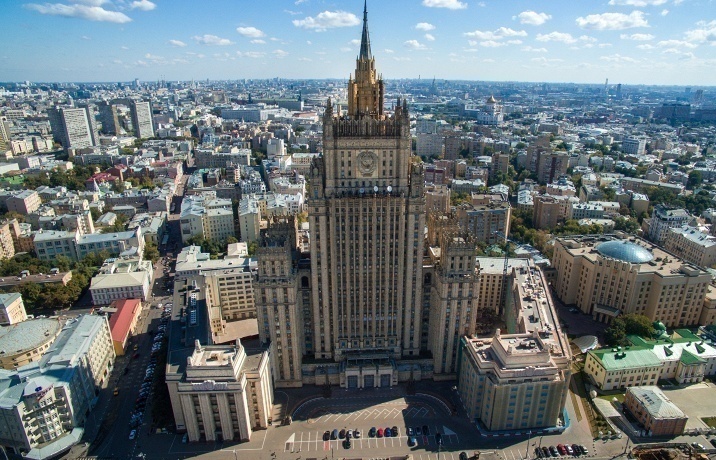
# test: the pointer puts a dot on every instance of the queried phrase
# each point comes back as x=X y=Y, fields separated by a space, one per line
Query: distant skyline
x=663 y=42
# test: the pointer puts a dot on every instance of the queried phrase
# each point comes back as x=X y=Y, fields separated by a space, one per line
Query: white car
x=132 y=434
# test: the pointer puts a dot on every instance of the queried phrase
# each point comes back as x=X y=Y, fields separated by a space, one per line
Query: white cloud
x=355 y=42
x=618 y=58
x=491 y=44
x=424 y=26
x=531 y=49
x=556 y=37
x=388 y=51
x=85 y=37
x=532 y=18
x=74 y=10
x=208 y=39
x=498 y=34
x=251 y=54
x=328 y=20
x=414 y=45
x=637 y=37
x=664 y=12
x=544 y=60
x=251 y=32
x=449 y=4
x=124 y=47
x=706 y=31
x=144 y=5
x=646 y=46
x=258 y=41
x=305 y=59
x=613 y=21
x=429 y=37
x=280 y=53
x=637 y=3
x=292 y=13
x=676 y=44
x=178 y=43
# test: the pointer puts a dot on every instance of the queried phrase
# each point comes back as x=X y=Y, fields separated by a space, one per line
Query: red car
x=562 y=450
x=380 y=432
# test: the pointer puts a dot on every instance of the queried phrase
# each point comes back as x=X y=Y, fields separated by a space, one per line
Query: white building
x=122 y=278
x=12 y=309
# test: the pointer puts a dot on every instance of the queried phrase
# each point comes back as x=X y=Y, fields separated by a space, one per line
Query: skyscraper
x=142 y=119
x=367 y=219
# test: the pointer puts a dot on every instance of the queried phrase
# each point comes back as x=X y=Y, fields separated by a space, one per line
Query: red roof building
x=123 y=322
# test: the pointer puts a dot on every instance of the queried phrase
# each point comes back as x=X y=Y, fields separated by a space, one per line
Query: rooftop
x=121 y=321
x=625 y=251
x=627 y=358
x=27 y=335
x=656 y=402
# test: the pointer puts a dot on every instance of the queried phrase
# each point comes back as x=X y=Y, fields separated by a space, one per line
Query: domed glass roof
x=625 y=251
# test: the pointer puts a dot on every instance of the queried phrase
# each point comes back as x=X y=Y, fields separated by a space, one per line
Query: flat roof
x=27 y=335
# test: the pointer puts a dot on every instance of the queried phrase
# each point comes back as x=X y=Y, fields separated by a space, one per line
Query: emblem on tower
x=367 y=162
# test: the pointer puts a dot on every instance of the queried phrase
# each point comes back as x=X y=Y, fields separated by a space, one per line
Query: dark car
x=577 y=449
x=417 y=431
x=553 y=450
x=326 y=435
x=426 y=430
x=463 y=456
x=412 y=441
x=545 y=452
x=347 y=443
x=538 y=452
x=334 y=434
x=561 y=449
x=387 y=433
x=394 y=430
x=410 y=431
x=342 y=434
x=349 y=434
x=371 y=432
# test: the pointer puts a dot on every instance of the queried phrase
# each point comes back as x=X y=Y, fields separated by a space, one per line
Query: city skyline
x=661 y=42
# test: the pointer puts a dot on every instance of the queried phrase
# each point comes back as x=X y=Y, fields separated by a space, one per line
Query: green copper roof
x=634 y=357
x=688 y=358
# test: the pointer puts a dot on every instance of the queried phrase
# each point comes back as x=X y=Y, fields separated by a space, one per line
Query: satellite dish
x=362 y=190
x=375 y=189
x=390 y=189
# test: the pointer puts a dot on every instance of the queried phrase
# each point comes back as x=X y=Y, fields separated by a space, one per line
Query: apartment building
x=662 y=219
x=7 y=245
x=692 y=245
x=487 y=218
x=23 y=202
x=12 y=309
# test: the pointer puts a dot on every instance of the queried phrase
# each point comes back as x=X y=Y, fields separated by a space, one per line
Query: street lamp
x=235 y=457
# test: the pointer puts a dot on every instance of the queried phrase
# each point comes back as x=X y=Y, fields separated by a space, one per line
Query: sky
x=664 y=42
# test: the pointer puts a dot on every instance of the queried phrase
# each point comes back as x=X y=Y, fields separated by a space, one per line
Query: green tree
x=695 y=179
x=615 y=334
x=95 y=213
x=151 y=252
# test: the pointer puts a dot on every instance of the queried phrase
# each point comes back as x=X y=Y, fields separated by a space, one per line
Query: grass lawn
x=710 y=421
x=619 y=396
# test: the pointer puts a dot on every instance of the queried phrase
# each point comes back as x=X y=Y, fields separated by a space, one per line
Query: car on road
x=411 y=441
x=371 y=432
x=326 y=435
x=697 y=446
x=132 y=434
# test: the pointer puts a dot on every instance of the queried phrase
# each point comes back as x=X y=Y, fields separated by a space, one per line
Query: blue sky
x=627 y=41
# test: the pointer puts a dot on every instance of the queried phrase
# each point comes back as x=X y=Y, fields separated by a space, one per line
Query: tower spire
x=365 y=39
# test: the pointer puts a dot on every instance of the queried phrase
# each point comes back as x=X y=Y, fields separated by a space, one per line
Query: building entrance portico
x=368 y=372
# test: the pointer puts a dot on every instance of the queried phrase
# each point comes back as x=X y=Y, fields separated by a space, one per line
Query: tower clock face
x=367 y=162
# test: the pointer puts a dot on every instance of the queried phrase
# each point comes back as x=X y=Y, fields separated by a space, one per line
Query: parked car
x=538 y=452
x=561 y=449
x=132 y=434
x=553 y=450
x=326 y=435
x=417 y=431
x=583 y=450
x=545 y=452
x=463 y=456
x=426 y=430
x=410 y=431
x=334 y=434
x=342 y=434
x=387 y=433
x=411 y=441
x=371 y=432
x=356 y=433
x=569 y=449
x=394 y=430
x=577 y=449
x=380 y=432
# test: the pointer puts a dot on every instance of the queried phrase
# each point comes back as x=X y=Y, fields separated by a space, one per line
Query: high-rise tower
x=367 y=215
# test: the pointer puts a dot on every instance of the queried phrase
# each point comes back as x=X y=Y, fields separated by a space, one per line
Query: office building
x=655 y=412
x=220 y=392
x=12 y=309
x=612 y=275
x=662 y=219
x=126 y=277
x=142 y=122
x=634 y=145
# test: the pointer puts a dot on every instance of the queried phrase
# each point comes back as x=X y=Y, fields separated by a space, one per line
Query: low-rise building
x=127 y=277
x=123 y=322
x=23 y=202
x=655 y=412
x=25 y=342
x=12 y=309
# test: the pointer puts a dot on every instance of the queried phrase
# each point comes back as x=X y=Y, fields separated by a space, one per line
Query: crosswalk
x=313 y=441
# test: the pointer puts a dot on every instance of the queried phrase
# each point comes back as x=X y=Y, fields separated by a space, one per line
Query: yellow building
x=608 y=276
x=25 y=342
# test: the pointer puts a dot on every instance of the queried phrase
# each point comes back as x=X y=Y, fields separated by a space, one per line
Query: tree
x=615 y=334
x=252 y=247
x=119 y=225
x=695 y=179
x=151 y=252
x=631 y=324
x=95 y=213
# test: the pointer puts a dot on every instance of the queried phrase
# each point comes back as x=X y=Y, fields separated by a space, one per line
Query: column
x=207 y=416
x=190 y=421
x=227 y=427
